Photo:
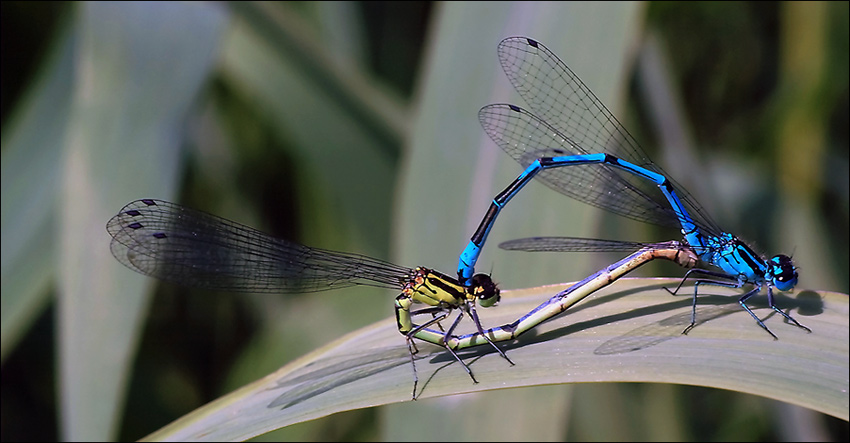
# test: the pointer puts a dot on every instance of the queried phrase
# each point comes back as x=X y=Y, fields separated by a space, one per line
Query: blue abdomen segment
x=469 y=256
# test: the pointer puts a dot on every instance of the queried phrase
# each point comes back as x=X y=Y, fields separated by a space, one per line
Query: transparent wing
x=569 y=108
x=177 y=244
x=526 y=138
x=578 y=244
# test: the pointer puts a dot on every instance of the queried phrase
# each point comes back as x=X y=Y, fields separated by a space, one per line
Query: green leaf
x=627 y=332
x=139 y=69
x=31 y=161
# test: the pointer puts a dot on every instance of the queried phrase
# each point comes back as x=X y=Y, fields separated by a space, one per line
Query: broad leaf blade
x=630 y=331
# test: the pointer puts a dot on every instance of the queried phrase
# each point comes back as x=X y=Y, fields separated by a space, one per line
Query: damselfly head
x=485 y=289
x=784 y=272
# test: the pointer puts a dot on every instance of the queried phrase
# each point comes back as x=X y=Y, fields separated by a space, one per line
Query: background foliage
x=352 y=126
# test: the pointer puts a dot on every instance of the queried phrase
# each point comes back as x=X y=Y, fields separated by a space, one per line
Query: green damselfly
x=188 y=247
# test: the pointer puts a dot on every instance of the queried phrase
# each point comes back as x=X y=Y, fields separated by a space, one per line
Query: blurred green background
x=353 y=126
